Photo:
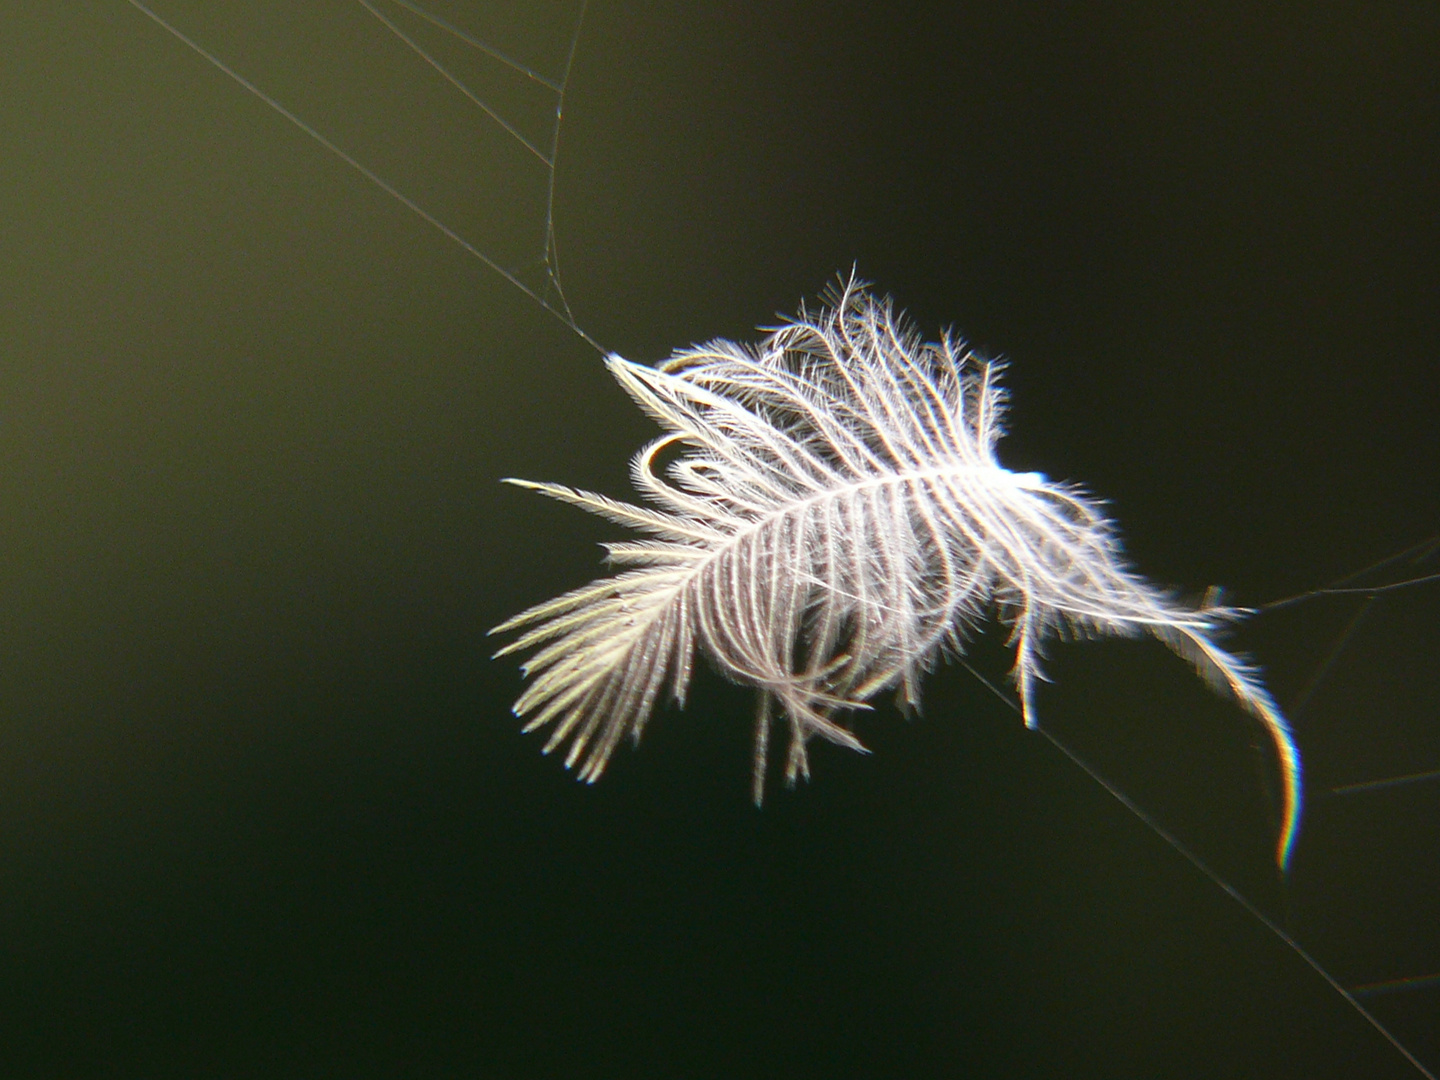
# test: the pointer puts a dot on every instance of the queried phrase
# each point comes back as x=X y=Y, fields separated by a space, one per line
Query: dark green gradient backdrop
x=263 y=809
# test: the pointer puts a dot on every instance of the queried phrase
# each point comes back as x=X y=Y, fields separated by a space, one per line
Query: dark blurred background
x=263 y=808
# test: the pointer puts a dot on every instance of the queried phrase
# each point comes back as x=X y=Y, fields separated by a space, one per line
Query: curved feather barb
x=834 y=517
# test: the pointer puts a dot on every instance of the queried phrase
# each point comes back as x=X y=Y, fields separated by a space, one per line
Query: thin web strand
x=560 y=310
x=1352 y=997
x=1390 y=782
x=549 y=259
x=1415 y=555
x=455 y=81
x=490 y=51
x=1303 y=698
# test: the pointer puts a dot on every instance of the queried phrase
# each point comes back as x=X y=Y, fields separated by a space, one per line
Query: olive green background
x=263 y=808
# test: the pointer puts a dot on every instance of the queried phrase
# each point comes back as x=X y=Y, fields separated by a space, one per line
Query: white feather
x=836 y=518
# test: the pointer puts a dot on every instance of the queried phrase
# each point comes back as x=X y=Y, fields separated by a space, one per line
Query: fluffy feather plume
x=833 y=518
